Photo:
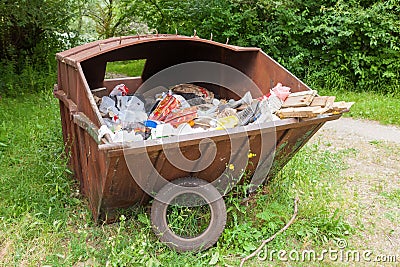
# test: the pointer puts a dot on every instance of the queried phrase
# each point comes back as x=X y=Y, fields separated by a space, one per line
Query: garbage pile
x=188 y=108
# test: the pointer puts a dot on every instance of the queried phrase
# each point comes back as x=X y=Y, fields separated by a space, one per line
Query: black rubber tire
x=217 y=222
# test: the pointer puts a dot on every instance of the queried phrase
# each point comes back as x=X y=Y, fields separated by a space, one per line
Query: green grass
x=393 y=196
x=131 y=68
x=43 y=221
x=188 y=222
x=370 y=105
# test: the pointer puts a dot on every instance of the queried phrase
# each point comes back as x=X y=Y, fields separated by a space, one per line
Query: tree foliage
x=357 y=41
x=351 y=44
x=32 y=27
x=31 y=32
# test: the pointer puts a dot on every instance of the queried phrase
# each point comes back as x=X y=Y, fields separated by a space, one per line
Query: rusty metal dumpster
x=100 y=165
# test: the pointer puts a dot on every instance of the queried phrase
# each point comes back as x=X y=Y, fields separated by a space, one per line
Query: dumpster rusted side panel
x=67 y=108
x=268 y=72
x=121 y=191
x=85 y=160
x=289 y=144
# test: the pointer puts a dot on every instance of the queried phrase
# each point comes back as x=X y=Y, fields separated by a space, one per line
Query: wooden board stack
x=308 y=104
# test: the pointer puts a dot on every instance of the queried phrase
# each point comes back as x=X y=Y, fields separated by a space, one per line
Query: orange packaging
x=181 y=116
x=164 y=108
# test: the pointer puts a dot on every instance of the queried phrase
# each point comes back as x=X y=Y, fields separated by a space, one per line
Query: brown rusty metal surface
x=82 y=121
x=161 y=51
x=275 y=73
x=290 y=143
x=125 y=192
x=83 y=52
x=100 y=166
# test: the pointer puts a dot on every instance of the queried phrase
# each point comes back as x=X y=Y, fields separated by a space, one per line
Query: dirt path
x=366 y=130
x=370 y=183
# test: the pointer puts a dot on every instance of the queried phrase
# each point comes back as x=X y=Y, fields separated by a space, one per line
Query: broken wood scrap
x=341 y=106
x=330 y=101
x=323 y=101
x=303 y=93
x=298 y=101
x=299 y=112
x=321 y=110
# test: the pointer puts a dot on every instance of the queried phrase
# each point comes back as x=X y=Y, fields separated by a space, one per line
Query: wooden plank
x=298 y=101
x=319 y=101
x=300 y=112
x=321 y=110
x=323 y=101
x=330 y=101
x=341 y=106
x=302 y=93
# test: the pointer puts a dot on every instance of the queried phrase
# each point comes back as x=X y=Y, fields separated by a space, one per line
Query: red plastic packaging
x=181 y=116
x=120 y=89
x=164 y=108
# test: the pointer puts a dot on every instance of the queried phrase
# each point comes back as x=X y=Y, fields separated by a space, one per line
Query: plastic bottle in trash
x=132 y=103
x=135 y=104
x=129 y=118
x=107 y=105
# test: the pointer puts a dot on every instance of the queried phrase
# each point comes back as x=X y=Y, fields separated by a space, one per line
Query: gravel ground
x=370 y=182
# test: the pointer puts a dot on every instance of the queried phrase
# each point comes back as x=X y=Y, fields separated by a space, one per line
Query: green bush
x=319 y=40
x=31 y=77
x=360 y=44
x=31 y=32
x=33 y=28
